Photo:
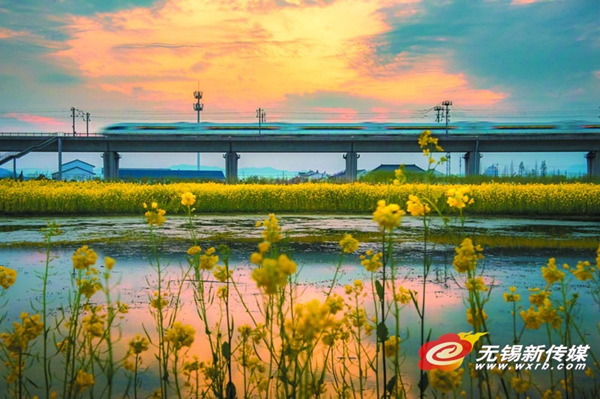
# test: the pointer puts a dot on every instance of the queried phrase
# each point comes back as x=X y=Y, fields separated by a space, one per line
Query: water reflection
x=504 y=267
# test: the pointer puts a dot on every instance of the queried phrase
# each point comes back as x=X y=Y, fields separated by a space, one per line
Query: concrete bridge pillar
x=593 y=164
x=111 y=165
x=472 y=163
x=59 y=158
x=231 y=167
x=351 y=166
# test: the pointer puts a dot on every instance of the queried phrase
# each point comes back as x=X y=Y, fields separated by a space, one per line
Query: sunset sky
x=300 y=60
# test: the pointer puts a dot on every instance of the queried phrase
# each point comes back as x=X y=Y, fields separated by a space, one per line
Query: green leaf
x=382 y=332
x=379 y=289
x=231 y=393
x=389 y=387
x=226 y=350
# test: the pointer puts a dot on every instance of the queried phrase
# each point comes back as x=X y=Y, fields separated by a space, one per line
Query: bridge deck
x=395 y=142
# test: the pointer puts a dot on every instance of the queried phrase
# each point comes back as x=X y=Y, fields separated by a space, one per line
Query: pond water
x=516 y=250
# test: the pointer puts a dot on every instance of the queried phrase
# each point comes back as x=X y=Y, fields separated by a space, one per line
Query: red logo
x=448 y=351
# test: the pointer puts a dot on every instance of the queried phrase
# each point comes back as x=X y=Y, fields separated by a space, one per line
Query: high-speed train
x=184 y=128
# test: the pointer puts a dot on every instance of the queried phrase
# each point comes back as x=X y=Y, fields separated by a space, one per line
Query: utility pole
x=261 y=115
x=446 y=105
x=76 y=113
x=73 y=116
x=87 y=124
x=438 y=111
x=198 y=107
x=443 y=113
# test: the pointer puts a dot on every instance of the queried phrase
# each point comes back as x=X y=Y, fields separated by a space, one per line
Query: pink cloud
x=338 y=114
x=38 y=120
x=7 y=33
x=521 y=2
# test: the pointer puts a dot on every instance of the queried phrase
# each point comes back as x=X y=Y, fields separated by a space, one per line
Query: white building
x=76 y=170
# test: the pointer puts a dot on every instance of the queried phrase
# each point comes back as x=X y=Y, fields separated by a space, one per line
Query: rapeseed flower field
x=112 y=198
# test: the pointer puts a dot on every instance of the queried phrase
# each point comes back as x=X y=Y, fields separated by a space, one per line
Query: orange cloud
x=7 y=33
x=244 y=58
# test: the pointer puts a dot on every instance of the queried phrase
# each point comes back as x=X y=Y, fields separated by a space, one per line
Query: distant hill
x=242 y=172
x=5 y=172
x=194 y=167
x=265 y=172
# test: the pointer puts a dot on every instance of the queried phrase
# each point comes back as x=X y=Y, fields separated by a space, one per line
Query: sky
x=299 y=60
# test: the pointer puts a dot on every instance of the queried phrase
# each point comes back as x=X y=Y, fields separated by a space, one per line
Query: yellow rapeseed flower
x=155 y=216
x=264 y=247
x=180 y=335
x=335 y=303
x=549 y=314
x=89 y=286
x=415 y=207
x=584 y=271
x=159 y=301
x=477 y=319
x=349 y=244
x=94 y=324
x=532 y=318
x=221 y=273
x=256 y=258
x=458 y=198
x=476 y=284
x=512 y=297
x=191 y=366
x=138 y=344
x=446 y=381
x=428 y=142
x=109 y=262
x=467 y=256
x=273 y=273
x=520 y=385
x=538 y=297
x=589 y=372
x=188 y=199
x=122 y=308
x=83 y=258
x=8 y=277
x=551 y=273
x=392 y=346
x=222 y=292
x=373 y=263
x=84 y=380
x=195 y=250
x=403 y=295
x=400 y=178
x=552 y=395
x=208 y=260
x=310 y=320
x=388 y=216
x=272 y=231
x=29 y=329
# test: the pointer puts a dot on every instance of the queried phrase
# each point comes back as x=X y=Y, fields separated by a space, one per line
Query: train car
x=184 y=128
